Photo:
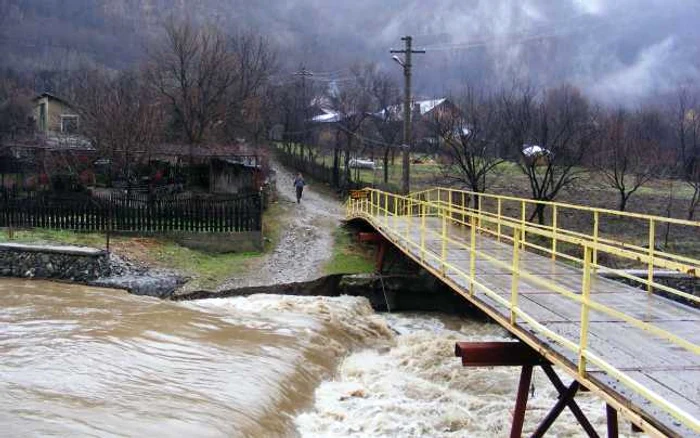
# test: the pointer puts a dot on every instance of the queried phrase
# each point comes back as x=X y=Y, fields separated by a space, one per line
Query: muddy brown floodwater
x=80 y=361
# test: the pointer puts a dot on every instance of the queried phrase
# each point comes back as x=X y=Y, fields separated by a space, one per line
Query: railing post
x=555 y=220
x=499 y=213
x=478 y=206
x=596 y=228
x=422 y=231
x=515 y=269
x=472 y=254
x=652 y=243
x=443 y=249
x=375 y=203
x=386 y=208
x=409 y=220
x=449 y=204
x=396 y=209
x=522 y=224
x=464 y=208
x=585 y=306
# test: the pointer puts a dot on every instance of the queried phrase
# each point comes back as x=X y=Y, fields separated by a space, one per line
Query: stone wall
x=54 y=262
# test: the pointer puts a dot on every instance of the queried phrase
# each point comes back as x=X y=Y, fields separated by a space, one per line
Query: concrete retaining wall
x=246 y=241
x=56 y=262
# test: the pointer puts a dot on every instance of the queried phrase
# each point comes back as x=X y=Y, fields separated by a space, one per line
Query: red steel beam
x=492 y=354
x=370 y=237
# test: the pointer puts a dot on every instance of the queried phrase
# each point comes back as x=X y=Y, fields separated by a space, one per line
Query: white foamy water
x=416 y=387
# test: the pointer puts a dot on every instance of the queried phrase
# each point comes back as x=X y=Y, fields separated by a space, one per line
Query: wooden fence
x=317 y=171
x=132 y=213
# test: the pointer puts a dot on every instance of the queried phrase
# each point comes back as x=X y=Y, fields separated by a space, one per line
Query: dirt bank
x=306 y=239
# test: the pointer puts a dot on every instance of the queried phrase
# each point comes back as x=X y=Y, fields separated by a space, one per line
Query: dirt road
x=306 y=239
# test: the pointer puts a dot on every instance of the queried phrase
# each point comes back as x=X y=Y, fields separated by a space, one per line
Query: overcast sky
x=615 y=50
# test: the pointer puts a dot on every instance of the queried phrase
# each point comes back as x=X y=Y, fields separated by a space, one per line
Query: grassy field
x=659 y=197
x=206 y=270
x=349 y=257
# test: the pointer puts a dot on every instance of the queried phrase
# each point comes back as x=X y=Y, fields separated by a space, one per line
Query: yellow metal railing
x=440 y=213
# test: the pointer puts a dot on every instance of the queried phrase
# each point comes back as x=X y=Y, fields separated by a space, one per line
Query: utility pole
x=407 y=107
x=304 y=73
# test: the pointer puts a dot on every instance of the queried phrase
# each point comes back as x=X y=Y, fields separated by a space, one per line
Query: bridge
x=543 y=270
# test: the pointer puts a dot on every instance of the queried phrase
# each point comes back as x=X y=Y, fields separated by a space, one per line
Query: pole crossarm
x=634 y=344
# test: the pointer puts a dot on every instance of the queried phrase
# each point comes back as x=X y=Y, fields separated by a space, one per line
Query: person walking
x=299 y=186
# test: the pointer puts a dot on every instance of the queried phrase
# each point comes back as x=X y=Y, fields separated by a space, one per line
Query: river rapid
x=80 y=361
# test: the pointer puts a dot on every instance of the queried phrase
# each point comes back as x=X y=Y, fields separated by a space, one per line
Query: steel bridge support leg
x=559 y=406
x=612 y=421
x=571 y=403
x=516 y=429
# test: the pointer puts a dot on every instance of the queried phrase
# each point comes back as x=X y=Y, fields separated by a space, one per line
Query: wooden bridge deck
x=665 y=368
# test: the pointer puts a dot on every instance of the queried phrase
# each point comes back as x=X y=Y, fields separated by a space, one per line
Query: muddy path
x=306 y=238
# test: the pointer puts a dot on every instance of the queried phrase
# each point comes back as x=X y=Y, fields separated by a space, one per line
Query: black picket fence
x=124 y=213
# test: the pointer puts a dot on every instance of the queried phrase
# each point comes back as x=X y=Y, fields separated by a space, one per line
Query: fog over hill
x=620 y=50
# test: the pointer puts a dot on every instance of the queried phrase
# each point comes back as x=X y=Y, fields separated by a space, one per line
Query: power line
x=522 y=38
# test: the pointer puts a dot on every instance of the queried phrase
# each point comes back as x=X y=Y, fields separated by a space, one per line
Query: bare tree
x=552 y=135
x=194 y=70
x=470 y=138
x=352 y=103
x=685 y=122
x=15 y=111
x=250 y=99
x=629 y=151
x=387 y=120
x=121 y=115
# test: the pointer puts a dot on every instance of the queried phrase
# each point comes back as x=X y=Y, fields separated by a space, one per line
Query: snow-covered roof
x=425 y=106
x=328 y=116
x=534 y=150
x=428 y=105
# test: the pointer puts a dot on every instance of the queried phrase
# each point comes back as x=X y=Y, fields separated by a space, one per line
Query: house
x=219 y=169
x=54 y=115
x=425 y=116
x=54 y=155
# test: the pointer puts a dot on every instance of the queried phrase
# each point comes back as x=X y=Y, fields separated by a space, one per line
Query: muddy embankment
x=385 y=292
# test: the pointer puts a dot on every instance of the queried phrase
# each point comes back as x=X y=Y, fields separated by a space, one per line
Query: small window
x=69 y=124
x=42 y=116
